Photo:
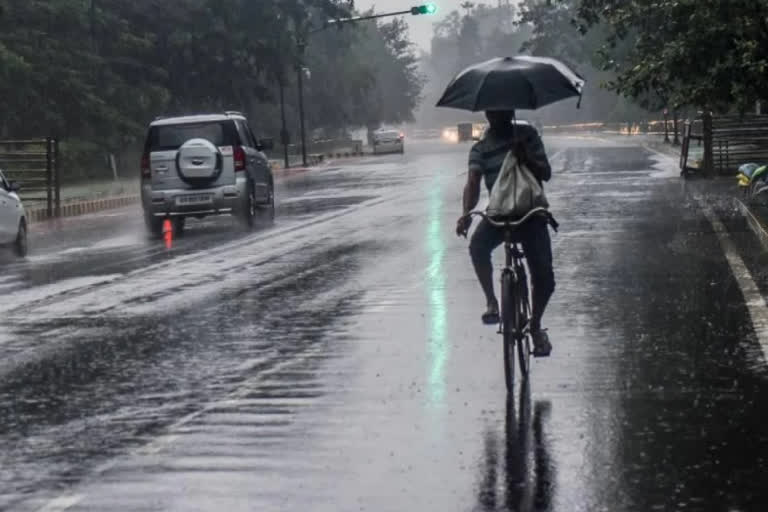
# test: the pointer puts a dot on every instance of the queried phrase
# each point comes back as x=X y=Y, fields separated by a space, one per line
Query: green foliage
x=703 y=53
x=556 y=32
x=99 y=70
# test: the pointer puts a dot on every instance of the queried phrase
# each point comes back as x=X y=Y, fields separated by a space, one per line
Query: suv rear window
x=169 y=137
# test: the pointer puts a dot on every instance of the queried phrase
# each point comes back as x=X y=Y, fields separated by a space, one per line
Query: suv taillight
x=239 y=155
x=146 y=172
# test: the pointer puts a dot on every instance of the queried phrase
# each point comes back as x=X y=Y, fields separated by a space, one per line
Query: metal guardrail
x=34 y=164
x=739 y=140
x=729 y=141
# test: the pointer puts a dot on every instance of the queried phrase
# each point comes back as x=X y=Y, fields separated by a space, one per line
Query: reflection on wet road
x=518 y=472
x=336 y=362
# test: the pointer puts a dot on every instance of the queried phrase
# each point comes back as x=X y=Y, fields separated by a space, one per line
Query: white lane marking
x=753 y=299
x=67 y=501
x=104 y=293
x=557 y=155
x=62 y=503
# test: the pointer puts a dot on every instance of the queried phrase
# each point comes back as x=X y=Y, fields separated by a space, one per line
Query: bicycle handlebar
x=513 y=224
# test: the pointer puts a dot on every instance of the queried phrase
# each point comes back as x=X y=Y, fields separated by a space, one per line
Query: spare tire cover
x=199 y=162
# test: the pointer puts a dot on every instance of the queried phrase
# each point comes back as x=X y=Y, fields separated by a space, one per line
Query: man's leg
x=537 y=246
x=485 y=239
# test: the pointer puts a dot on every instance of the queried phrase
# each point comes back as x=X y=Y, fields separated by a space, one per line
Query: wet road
x=336 y=362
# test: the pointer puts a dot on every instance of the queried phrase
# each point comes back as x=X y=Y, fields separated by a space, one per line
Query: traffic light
x=424 y=9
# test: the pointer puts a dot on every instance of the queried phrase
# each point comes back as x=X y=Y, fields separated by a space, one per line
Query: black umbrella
x=512 y=83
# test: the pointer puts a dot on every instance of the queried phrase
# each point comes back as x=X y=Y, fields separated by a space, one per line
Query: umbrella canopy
x=512 y=83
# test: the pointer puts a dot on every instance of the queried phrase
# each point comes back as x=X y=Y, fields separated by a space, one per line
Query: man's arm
x=474 y=179
x=470 y=200
x=472 y=191
x=536 y=157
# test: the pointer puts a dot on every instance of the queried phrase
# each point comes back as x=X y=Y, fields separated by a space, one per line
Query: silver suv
x=195 y=166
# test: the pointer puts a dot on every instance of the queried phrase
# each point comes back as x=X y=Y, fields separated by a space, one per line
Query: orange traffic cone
x=168 y=233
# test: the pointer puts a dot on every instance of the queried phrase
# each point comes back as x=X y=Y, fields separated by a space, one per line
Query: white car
x=13 y=218
x=388 y=141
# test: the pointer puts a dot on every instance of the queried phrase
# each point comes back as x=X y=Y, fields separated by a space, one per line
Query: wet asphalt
x=335 y=361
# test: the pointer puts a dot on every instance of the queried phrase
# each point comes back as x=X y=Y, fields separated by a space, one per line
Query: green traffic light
x=424 y=9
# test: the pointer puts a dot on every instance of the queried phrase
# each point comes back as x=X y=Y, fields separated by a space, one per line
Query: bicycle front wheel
x=508 y=328
x=523 y=317
x=524 y=355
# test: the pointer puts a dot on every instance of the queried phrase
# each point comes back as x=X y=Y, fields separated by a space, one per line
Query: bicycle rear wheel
x=508 y=323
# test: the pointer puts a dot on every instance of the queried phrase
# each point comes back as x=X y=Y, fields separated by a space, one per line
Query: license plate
x=194 y=199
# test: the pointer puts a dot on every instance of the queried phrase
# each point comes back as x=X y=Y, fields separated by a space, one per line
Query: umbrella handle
x=578 y=105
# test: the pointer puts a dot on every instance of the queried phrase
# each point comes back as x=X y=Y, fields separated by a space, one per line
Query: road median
x=74 y=209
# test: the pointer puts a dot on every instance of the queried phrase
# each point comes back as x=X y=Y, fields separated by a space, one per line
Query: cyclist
x=485 y=161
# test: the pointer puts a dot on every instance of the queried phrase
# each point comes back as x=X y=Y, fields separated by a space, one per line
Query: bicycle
x=514 y=322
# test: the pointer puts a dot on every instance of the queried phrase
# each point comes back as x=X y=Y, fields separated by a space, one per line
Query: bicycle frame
x=515 y=301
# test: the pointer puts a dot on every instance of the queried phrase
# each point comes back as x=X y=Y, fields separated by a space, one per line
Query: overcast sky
x=421 y=26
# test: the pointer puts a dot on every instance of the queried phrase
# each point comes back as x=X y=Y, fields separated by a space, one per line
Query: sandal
x=491 y=317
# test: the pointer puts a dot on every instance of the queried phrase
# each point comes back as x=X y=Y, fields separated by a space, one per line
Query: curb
x=40 y=214
x=317 y=159
x=74 y=209
x=755 y=224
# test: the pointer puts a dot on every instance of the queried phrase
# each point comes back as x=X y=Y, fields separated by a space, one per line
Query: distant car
x=195 y=166
x=388 y=141
x=13 y=218
x=451 y=134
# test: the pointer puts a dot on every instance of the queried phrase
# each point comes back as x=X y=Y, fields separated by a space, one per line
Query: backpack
x=516 y=191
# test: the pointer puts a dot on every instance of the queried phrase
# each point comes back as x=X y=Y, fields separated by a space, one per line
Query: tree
x=558 y=31
x=94 y=72
x=708 y=53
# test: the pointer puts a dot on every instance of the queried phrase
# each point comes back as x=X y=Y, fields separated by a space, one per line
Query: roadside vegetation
x=94 y=72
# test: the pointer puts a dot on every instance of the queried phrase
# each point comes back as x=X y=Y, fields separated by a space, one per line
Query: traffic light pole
x=415 y=11
x=302 y=44
x=341 y=21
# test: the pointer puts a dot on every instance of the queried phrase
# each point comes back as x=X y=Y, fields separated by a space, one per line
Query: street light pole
x=300 y=83
x=302 y=46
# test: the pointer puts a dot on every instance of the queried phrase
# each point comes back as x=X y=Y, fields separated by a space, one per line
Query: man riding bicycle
x=485 y=161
